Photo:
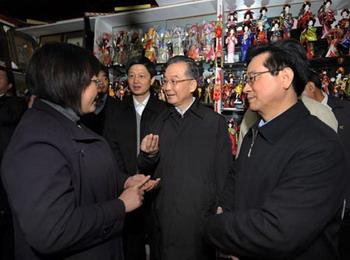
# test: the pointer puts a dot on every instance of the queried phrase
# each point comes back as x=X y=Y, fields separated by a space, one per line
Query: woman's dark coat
x=62 y=182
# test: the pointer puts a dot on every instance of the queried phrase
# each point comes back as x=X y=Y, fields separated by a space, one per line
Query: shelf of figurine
x=335 y=79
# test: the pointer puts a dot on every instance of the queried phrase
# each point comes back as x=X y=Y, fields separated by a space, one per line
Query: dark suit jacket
x=62 y=183
x=120 y=130
x=284 y=196
x=96 y=121
x=341 y=110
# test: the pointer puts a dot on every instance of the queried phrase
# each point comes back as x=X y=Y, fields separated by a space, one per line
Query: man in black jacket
x=192 y=160
x=126 y=124
x=11 y=110
x=285 y=193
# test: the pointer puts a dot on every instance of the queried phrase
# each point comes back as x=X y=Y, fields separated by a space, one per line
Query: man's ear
x=287 y=75
x=193 y=85
x=310 y=87
x=152 y=80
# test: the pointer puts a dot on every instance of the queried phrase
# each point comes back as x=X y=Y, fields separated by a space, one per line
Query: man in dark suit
x=95 y=120
x=11 y=110
x=341 y=110
x=126 y=124
x=285 y=193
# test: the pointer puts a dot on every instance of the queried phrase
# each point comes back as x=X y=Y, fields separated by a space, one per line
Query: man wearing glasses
x=284 y=195
x=189 y=149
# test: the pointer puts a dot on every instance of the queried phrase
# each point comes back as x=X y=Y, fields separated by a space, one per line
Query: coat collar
x=151 y=105
x=196 y=108
x=77 y=131
x=275 y=129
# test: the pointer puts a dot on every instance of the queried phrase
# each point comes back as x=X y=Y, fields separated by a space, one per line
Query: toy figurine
x=208 y=92
x=261 y=34
x=231 y=20
x=344 y=21
x=307 y=38
x=246 y=41
x=105 y=51
x=325 y=80
x=345 y=42
x=162 y=55
x=135 y=43
x=263 y=18
x=286 y=21
x=334 y=36
x=248 y=18
x=276 y=31
x=304 y=15
x=326 y=17
x=231 y=42
x=233 y=134
x=178 y=41
x=120 y=44
x=150 y=44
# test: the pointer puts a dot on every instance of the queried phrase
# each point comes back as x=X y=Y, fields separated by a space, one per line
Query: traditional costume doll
x=345 y=42
x=305 y=15
x=276 y=31
x=248 y=18
x=286 y=21
x=231 y=41
x=326 y=17
x=231 y=20
x=261 y=34
x=325 y=80
x=334 y=36
x=150 y=44
x=178 y=41
x=246 y=41
x=307 y=38
x=264 y=19
x=344 y=22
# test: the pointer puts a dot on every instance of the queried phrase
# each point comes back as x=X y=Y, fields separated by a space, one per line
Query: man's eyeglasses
x=251 y=77
x=174 y=82
x=98 y=83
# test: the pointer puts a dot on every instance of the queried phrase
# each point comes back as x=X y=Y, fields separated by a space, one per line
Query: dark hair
x=283 y=54
x=10 y=80
x=315 y=78
x=60 y=72
x=192 y=68
x=141 y=60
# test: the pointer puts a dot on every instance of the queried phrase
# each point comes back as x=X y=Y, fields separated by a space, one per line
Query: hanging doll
x=307 y=38
x=246 y=41
x=263 y=18
x=305 y=15
x=276 y=31
x=286 y=21
x=231 y=42
x=326 y=17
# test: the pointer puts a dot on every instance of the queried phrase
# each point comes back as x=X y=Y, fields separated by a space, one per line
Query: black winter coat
x=62 y=179
x=283 y=199
x=194 y=159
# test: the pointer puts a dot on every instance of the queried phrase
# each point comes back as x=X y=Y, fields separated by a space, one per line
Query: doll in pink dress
x=231 y=42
